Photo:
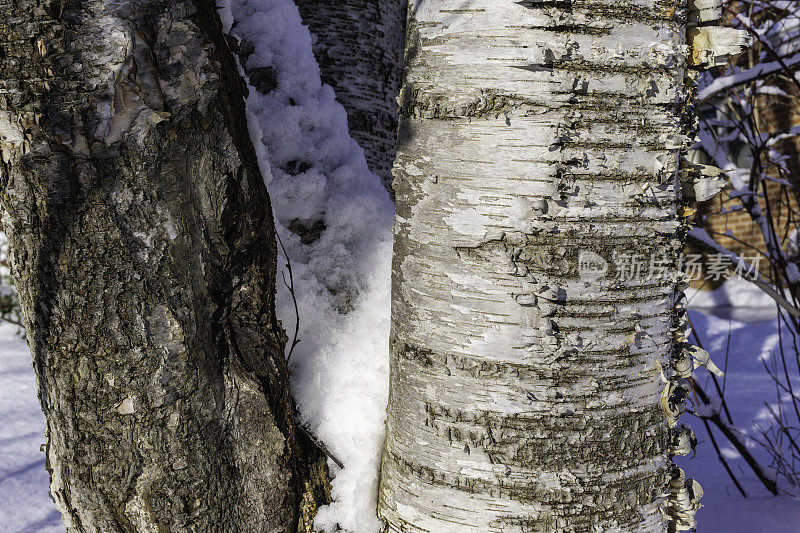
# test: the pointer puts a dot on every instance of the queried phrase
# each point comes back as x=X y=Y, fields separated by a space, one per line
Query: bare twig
x=720 y=392
x=722 y=459
x=320 y=445
x=12 y=321
x=290 y=286
x=758 y=282
x=730 y=433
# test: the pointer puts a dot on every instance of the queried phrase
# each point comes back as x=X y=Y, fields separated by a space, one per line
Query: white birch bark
x=524 y=398
x=359 y=48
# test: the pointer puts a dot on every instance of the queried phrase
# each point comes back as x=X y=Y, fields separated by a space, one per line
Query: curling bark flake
x=359 y=48
x=144 y=251
x=524 y=395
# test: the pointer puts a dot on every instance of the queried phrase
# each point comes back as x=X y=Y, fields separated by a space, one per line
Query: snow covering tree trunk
x=359 y=48
x=144 y=251
x=536 y=180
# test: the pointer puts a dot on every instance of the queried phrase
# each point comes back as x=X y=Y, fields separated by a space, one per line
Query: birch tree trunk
x=525 y=391
x=359 y=48
x=144 y=252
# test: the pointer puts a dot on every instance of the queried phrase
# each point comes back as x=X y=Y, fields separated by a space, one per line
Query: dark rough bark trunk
x=359 y=47
x=144 y=252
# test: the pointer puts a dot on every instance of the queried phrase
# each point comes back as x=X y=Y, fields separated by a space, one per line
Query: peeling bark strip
x=359 y=48
x=144 y=252
x=524 y=396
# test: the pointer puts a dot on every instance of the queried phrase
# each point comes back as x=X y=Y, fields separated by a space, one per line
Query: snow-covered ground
x=753 y=337
x=25 y=504
x=26 y=507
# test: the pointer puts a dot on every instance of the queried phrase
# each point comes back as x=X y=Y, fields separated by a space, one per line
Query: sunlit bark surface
x=524 y=396
x=143 y=246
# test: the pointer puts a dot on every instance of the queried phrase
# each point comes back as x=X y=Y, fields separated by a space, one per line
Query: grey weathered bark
x=524 y=396
x=144 y=252
x=359 y=48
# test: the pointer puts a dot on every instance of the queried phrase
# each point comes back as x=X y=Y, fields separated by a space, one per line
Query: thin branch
x=722 y=459
x=734 y=439
x=290 y=286
x=320 y=445
x=12 y=321
x=726 y=83
x=764 y=286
